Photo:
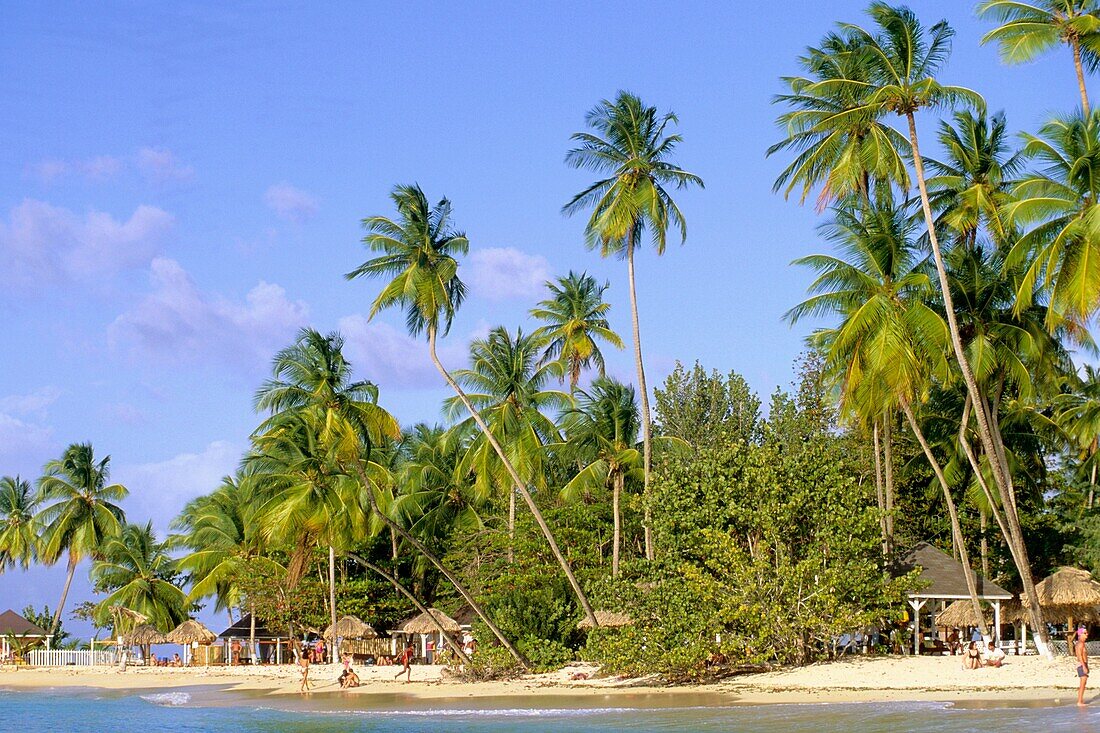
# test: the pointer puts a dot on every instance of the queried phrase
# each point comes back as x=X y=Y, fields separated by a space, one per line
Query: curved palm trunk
x=511 y=526
x=434 y=560
x=647 y=446
x=956 y=527
x=455 y=646
x=519 y=485
x=64 y=594
x=616 y=493
x=1076 y=45
x=334 y=647
x=299 y=559
x=879 y=495
x=888 y=459
x=1001 y=472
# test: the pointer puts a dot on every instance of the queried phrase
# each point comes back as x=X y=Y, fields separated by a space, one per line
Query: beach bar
x=944 y=582
x=15 y=628
x=271 y=647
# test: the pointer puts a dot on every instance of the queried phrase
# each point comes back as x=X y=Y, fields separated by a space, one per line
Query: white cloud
x=41 y=243
x=499 y=273
x=125 y=413
x=33 y=403
x=386 y=356
x=98 y=168
x=290 y=203
x=161 y=165
x=23 y=432
x=159 y=490
x=179 y=321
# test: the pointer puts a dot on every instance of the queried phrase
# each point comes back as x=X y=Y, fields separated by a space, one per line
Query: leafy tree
x=575 y=317
x=80 y=515
x=42 y=619
x=629 y=146
x=19 y=532
x=705 y=410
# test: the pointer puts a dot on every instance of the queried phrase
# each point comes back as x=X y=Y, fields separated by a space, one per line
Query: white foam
x=168 y=699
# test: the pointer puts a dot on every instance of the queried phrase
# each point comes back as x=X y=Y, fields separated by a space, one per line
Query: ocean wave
x=168 y=699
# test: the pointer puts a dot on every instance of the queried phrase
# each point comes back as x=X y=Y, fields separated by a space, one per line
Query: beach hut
x=15 y=628
x=943 y=581
x=144 y=636
x=1068 y=596
x=269 y=644
x=421 y=626
x=191 y=634
x=607 y=619
x=351 y=636
x=349 y=627
x=961 y=614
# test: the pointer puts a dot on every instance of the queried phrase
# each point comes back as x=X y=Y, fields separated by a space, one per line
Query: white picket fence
x=69 y=657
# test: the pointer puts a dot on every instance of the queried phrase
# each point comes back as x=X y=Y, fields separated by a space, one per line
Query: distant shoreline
x=1026 y=681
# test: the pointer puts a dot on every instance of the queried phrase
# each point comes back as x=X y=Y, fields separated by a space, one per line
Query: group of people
x=175 y=661
x=976 y=657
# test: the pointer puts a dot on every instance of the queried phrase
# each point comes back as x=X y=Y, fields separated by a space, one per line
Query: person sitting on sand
x=406 y=663
x=973 y=659
x=176 y=661
x=995 y=656
x=349 y=679
x=954 y=643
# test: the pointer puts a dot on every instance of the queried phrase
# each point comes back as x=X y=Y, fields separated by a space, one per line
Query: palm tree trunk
x=1076 y=45
x=879 y=495
x=985 y=543
x=64 y=594
x=1092 y=480
x=616 y=493
x=1001 y=473
x=519 y=485
x=956 y=527
x=252 y=632
x=647 y=445
x=455 y=646
x=393 y=545
x=434 y=560
x=888 y=459
x=299 y=558
x=334 y=647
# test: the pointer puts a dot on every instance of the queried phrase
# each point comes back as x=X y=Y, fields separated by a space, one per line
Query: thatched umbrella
x=144 y=635
x=191 y=631
x=1068 y=587
x=610 y=619
x=1013 y=612
x=423 y=625
x=961 y=613
x=350 y=627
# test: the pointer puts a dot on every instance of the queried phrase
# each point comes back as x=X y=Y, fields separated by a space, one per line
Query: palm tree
x=420 y=255
x=1061 y=203
x=19 y=532
x=1030 y=28
x=628 y=144
x=838 y=144
x=80 y=515
x=506 y=383
x=1077 y=412
x=137 y=573
x=312 y=373
x=575 y=315
x=222 y=534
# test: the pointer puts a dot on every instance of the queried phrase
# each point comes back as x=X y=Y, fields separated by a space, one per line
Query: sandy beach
x=1021 y=679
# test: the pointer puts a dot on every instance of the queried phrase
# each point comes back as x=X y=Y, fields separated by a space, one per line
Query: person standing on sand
x=303 y=661
x=1082 y=655
x=406 y=663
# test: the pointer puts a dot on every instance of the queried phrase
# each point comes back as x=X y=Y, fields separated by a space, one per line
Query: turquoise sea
x=209 y=711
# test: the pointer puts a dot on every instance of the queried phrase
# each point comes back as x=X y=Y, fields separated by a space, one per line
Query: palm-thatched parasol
x=144 y=635
x=961 y=613
x=610 y=619
x=350 y=627
x=1068 y=587
x=423 y=625
x=189 y=631
x=1013 y=612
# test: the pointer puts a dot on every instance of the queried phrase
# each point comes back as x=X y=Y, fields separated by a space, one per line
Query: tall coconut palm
x=1059 y=204
x=419 y=253
x=19 y=532
x=1031 y=28
x=507 y=385
x=575 y=318
x=839 y=145
x=312 y=373
x=80 y=514
x=136 y=572
x=628 y=146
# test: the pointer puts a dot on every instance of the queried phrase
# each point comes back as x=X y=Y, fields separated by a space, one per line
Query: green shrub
x=545 y=655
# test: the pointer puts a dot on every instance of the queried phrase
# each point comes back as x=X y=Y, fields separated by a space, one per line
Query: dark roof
x=12 y=624
x=242 y=630
x=944 y=576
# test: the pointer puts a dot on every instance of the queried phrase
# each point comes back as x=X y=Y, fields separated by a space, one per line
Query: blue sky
x=181 y=187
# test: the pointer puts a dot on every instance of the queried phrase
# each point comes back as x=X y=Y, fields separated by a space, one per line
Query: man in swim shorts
x=1082 y=655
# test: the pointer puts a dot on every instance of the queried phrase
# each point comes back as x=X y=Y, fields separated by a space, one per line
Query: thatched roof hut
x=609 y=619
x=1068 y=587
x=1013 y=612
x=350 y=627
x=145 y=634
x=961 y=613
x=423 y=625
x=190 y=631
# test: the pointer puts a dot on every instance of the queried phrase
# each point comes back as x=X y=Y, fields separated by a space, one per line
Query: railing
x=69 y=658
